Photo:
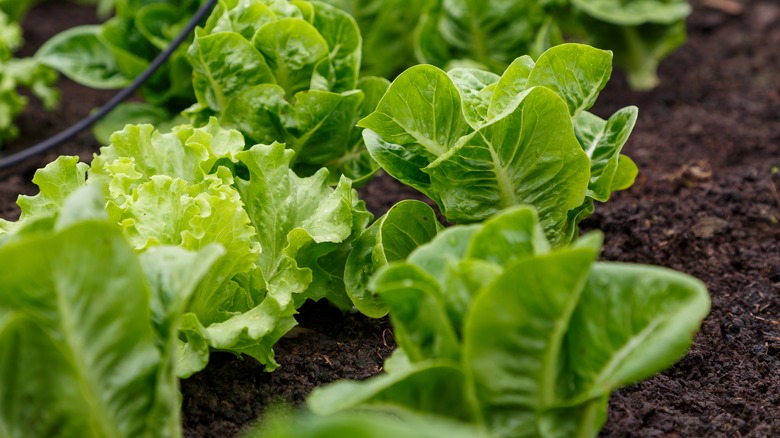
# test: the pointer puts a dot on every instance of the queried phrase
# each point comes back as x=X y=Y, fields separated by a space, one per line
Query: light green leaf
x=508 y=91
x=515 y=375
x=292 y=48
x=342 y=35
x=635 y=12
x=223 y=63
x=421 y=325
x=79 y=54
x=301 y=220
x=55 y=182
x=529 y=157
x=632 y=322
x=486 y=34
x=513 y=234
x=433 y=387
x=78 y=352
x=575 y=72
x=475 y=89
x=406 y=226
x=134 y=113
x=365 y=425
x=603 y=140
x=625 y=175
x=421 y=110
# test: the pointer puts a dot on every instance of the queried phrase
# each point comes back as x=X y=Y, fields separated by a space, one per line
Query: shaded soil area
x=706 y=202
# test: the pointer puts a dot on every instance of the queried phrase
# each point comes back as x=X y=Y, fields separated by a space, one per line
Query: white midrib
x=592 y=145
x=627 y=349
x=88 y=386
x=505 y=188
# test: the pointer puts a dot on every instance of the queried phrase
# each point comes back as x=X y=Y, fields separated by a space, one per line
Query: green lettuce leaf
x=477 y=143
x=292 y=77
x=497 y=328
x=87 y=328
x=392 y=237
x=286 y=238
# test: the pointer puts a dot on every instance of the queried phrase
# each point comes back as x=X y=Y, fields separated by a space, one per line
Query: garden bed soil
x=706 y=202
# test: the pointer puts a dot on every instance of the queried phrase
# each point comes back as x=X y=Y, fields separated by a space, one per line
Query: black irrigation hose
x=118 y=98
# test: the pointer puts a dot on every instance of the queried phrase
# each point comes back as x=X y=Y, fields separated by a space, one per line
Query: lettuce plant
x=641 y=32
x=286 y=238
x=113 y=54
x=498 y=329
x=20 y=72
x=477 y=143
x=88 y=327
x=388 y=43
x=287 y=72
x=490 y=34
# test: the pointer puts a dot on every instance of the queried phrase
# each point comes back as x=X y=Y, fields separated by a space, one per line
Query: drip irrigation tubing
x=118 y=98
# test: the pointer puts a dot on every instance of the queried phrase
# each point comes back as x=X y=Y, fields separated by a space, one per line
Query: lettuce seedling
x=498 y=329
x=287 y=72
x=88 y=327
x=477 y=143
x=286 y=238
x=16 y=73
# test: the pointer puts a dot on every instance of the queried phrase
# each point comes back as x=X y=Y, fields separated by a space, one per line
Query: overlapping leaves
x=287 y=72
x=477 y=143
x=88 y=327
x=286 y=237
x=497 y=329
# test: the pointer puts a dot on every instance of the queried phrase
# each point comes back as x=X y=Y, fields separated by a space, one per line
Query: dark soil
x=706 y=203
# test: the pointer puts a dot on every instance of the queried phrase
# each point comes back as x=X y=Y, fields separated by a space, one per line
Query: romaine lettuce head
x=287 y=72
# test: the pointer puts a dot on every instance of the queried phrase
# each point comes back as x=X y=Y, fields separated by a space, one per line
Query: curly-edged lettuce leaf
x=87 y=329
x=477 y=143
x=497 y=328
x=287 y=72
x=286 y=238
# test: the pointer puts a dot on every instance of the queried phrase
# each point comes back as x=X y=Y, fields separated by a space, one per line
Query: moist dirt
x=706 y=202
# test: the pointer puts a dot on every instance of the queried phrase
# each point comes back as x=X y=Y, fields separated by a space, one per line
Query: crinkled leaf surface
x=286 y=238
x=87 y=331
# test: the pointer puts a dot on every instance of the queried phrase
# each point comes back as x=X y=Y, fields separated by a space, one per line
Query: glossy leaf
x=290 y=76
x=79 y=54
x=406 y=226
x=515 y=375
x=626 y=312
x=535 y=338
x=82 y=351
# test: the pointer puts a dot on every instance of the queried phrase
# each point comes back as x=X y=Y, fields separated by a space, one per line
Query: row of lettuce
x=487 y=35
x=122 y=275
